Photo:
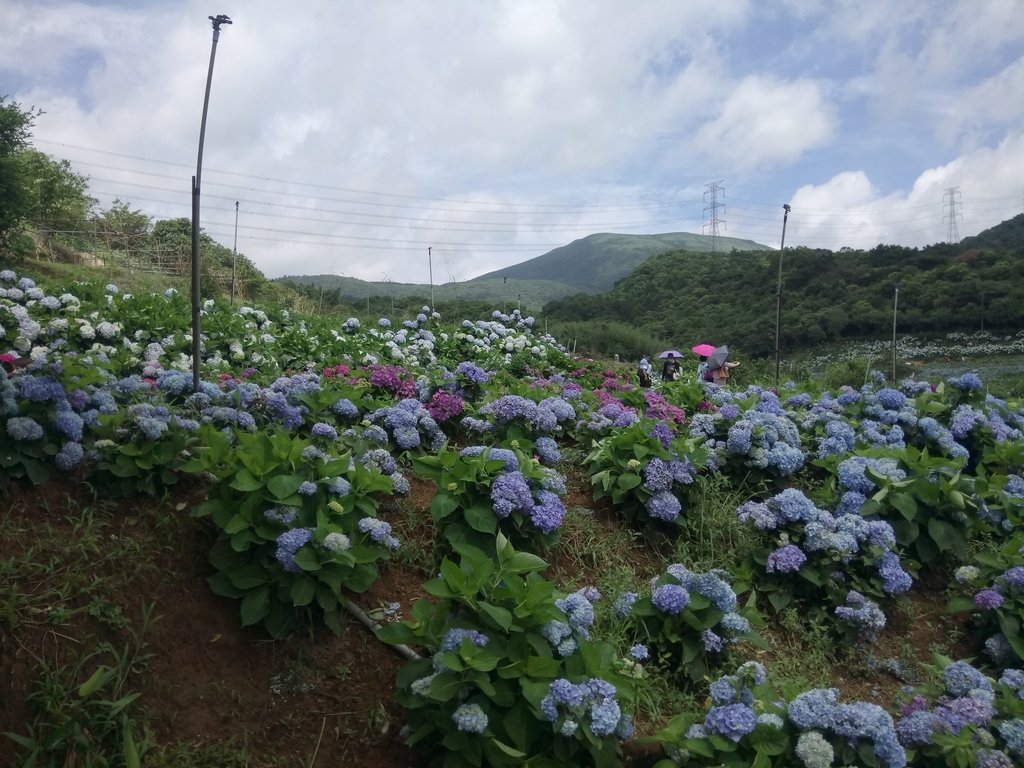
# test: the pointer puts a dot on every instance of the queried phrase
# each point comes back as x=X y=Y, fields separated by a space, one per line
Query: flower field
x=560 y=568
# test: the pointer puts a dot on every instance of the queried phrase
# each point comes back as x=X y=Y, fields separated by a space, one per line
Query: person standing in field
x=643 y=372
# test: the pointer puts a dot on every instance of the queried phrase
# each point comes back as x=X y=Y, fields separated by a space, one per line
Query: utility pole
x=895 y=303
x=430 y=266
x=196 y=185
x=778 y=292
x=952 y=231
x=234 y=255
x=711 y=218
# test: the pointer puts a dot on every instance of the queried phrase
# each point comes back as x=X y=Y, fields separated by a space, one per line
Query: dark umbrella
x=717 y=358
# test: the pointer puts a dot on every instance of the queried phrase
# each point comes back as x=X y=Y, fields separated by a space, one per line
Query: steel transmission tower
x=711 y=209
x=952 y=230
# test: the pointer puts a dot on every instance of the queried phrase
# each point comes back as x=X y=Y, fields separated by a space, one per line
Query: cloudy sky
x=355 y=135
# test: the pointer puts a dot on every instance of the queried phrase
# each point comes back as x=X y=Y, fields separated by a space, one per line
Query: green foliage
x=688 y=620
x=463 y=508
x=86 y=710
x=828 y=296
x=624 y=463
x=489 y=630
x=1000 y=613
x=294 y=534
x=15 y=131
x=932 y=510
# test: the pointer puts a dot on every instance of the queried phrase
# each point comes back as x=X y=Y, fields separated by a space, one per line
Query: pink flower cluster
x=444 y=406
x=660 y=408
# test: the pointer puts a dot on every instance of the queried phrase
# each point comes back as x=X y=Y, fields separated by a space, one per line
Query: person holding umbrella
x=719 y=365
x=702 y=351
x=670 y=370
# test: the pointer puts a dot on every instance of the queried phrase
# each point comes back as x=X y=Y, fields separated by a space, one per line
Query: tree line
x=730 y=298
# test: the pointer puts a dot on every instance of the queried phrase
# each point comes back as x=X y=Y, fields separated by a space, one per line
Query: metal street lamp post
x=895 y=303
x=778 y=291
x=196 y=183
x=234 y=255
x=430 y=266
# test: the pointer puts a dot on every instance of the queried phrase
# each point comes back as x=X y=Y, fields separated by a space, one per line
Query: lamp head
x=218 y=20
x=786 y=208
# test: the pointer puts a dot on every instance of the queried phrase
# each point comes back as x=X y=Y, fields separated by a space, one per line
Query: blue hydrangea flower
x=733 y=721
x=670 y=598
x=787 y=559
x=288 y=543
x=470 y=718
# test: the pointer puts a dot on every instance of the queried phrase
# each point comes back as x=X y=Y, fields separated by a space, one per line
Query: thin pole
x=895 y=302
x=778 y=292
x=234 y=255
x=196 y=186
x=430 y=266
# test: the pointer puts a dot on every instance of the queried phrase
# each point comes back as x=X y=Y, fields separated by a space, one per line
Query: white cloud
x=765 y=121
x=355 y=135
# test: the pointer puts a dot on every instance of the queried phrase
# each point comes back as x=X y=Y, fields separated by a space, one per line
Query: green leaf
x=246 y=482
x=442 y=505
x=945 y=535
x=524 y=562
x=255 y=606
x=904 y=504
x=500 y=616
x=481 y=518
x=510 y=751
x=302 y=591
x=629 y=480
x=283 y=486
x=779 y=599
x=235 y=524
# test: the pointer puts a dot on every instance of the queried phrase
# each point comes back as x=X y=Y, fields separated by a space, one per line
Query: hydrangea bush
x=297 y=526
x=812 y=553
x=748 y=723
x=482 y=490
x=687 y=620
x=511 y=675
x=644 y=469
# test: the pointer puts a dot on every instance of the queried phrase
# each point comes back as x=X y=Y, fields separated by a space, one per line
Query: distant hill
x=590 y=265
x=1008 y=235
x=595 y=263
x=501 y=294
x=689 y=297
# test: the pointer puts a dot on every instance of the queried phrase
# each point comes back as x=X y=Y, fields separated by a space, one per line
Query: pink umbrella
x=703 y=349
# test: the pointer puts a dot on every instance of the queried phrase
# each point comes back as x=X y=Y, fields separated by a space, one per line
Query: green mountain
x=505 y=294
x=589 y=265
x=826 y=296
x=596 y=262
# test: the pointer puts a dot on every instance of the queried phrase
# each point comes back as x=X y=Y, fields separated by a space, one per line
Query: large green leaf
x=302 y=591
x=246 y=482
x=255 y=606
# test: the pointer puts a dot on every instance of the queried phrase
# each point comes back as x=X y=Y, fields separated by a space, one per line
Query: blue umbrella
x=670 y=353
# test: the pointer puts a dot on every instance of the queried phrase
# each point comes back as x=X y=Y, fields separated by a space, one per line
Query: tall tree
x=15 y=131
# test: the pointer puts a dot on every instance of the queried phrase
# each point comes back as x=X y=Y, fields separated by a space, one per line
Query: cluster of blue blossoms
x=410 y=425
x=568 y=703
x=817 y=531
x=512 y=492
x=969 y=703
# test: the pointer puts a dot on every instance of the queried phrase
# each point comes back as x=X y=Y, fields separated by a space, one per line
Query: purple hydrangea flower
x=787 y=559
x=670 y=598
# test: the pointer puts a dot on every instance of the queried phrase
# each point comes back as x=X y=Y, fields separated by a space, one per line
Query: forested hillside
x=731 y=298
x=596 y=262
